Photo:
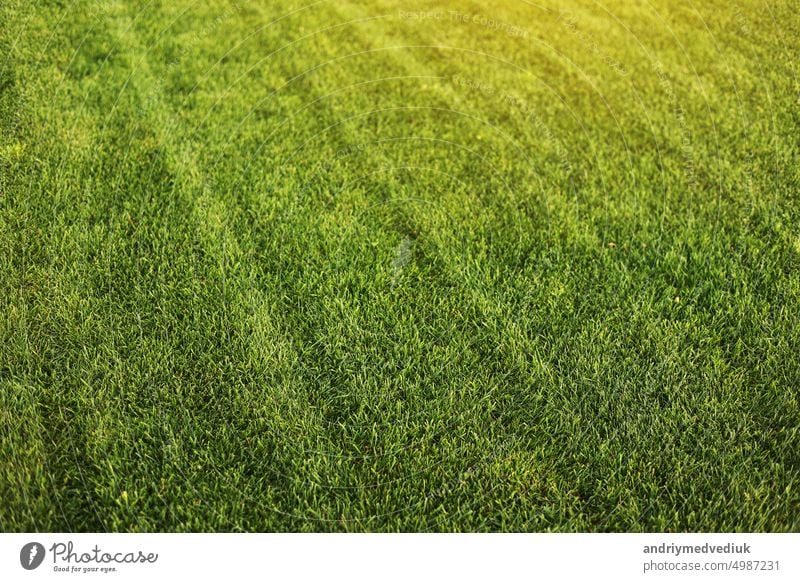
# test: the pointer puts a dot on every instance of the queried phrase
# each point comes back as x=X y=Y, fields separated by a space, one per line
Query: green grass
x=348 y=266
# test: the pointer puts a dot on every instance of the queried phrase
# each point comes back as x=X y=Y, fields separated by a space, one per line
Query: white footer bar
x=415 y=557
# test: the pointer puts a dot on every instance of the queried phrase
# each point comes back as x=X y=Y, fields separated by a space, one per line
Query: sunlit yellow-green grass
x=272 y=265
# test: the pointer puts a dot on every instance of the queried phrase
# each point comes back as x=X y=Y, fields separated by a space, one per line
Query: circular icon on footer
x=31 y=555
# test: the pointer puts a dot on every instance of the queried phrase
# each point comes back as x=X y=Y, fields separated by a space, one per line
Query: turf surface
x=378 y=266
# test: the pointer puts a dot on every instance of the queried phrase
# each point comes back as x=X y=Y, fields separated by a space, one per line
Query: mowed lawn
x=418 y=266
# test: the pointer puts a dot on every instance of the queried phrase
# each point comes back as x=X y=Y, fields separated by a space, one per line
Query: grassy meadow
x=399 y=266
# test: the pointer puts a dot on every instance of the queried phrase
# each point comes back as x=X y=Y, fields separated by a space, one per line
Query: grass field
x=379 y=266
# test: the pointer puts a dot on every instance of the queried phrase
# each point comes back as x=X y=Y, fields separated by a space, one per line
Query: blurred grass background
x=414 y=266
